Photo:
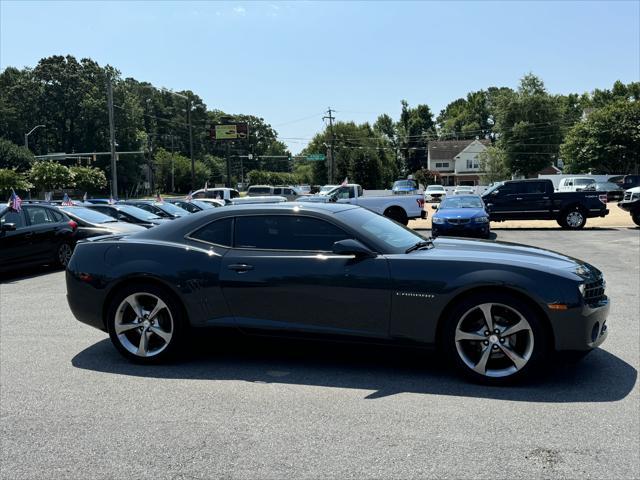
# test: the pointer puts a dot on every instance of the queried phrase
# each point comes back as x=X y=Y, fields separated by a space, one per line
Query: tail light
x=420 y=202
x=603 y=197
x=73 y=225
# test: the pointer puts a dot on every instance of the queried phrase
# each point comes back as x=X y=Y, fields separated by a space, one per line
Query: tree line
x=528 y=129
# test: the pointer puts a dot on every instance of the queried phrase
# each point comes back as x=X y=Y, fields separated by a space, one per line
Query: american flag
x=158 y=198
x=15 y=202
x=345 y=182
x=66 y=201
x=111 y=202
x=206 y=184
x=189 y=196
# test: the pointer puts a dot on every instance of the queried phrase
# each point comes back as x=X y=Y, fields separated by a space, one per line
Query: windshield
x=204 y=205
x=492 y=188
x=607 y=186
x=138 y=213
x=461 y=202
x=389 y=236
x=172 y=209
x=327 y=188
x=584 y=181
x=405 y=184
x=431 y=188
x=88 y=215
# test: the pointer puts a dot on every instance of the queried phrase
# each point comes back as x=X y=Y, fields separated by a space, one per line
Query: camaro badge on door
x=414 y=294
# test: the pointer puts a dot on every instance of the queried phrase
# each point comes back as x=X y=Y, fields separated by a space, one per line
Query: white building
x=457 y=161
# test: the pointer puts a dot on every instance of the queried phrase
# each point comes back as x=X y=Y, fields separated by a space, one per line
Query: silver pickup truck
x=400 y=208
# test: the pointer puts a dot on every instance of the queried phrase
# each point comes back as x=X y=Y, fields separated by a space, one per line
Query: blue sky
x=287 y=61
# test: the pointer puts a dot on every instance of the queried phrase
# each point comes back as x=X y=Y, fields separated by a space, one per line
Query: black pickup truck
x=536 y=200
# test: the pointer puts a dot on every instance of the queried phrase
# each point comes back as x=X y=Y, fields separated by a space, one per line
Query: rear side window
x=218 y=232
x=38 y=215
x=286 y=232
x=531 y=187
x=55 y=216
x=506 y=189
x=13 y=217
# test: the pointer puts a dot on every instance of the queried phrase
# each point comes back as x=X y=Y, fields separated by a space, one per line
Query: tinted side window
x=277 y=191
x=506 y=189
x=37 y=215
x=531 y=187
x=283 y=232
x=234 y=194
x=13 y=217
x=55 y=216
x=218 y=232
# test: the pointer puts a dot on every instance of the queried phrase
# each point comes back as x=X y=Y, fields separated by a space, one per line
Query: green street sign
x=317 y=157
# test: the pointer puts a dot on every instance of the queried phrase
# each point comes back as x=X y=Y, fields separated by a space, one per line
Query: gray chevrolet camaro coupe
x=497 y=310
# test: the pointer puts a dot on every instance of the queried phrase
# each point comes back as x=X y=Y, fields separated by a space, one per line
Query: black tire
x=572 y=218
x=63 y=254
x=635 y=216
x=397 y=214
x=534 y=341
x=173 y=324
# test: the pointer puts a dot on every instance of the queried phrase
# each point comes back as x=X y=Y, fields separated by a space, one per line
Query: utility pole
x=112 y=140
x=173 y=184
x=228 y=182
x=193 y=163
x=26 y=135
x=331 y=160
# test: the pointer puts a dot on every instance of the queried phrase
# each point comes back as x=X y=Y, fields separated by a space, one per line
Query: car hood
x=503 y=253
x=323 y=198
x=460 y=213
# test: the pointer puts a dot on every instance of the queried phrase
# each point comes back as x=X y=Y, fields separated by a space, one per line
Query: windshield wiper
x=420 y=245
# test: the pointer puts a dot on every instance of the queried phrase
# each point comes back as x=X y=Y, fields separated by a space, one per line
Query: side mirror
x=352 y=247
x=8 y=227
x=434 y=207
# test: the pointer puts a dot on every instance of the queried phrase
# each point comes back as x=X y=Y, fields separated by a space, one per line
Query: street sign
x=317 y=157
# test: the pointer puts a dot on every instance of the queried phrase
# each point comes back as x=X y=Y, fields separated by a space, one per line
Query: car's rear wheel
x=397 y=214
x=145 y=323
x=573 y=218
x=63 y=254
x=495 y=339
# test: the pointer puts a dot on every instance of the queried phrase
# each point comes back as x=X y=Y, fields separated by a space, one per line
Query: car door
x=43 y=228
x=14 y=244
x=281 y=274
x=502 y=203
x=533 y=201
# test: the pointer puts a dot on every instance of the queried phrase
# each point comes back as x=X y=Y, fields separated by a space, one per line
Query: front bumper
x=581 y=328
x=470 y=229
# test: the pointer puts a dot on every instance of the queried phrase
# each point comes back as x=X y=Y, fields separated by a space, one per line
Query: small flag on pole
x=84 y=197
x=15 y=202
x=158 y=198
x=206 y=184
x=66 y=201
x=345 y=182
x=111 y=202
x=189 y=196
x=47 y=196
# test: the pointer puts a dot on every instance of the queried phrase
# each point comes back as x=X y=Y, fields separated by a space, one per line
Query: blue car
x=462 y=215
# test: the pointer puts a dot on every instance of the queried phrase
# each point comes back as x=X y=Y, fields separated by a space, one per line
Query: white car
x=434 y=193
x=575 y=184
x=326 y=189
x=464 y=190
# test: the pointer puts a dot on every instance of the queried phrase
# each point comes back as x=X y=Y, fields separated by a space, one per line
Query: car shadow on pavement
x=386 y=371
x=26 y=273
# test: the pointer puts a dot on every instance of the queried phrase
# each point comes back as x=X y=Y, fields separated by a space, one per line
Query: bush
x=14 y=157
x=12 y=179
x=260 y=177
x=88 y=179
x=49 y=175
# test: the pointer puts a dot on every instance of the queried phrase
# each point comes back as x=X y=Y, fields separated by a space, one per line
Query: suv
x=259 y=190
x=434 y=193
x=289 y=193
x=38 y=234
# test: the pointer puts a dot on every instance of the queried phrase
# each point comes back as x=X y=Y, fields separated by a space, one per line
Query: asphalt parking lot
x=238 y=407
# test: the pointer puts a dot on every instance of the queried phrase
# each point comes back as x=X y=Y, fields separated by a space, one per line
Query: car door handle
x=240 y=267
x=28 y=235
x=518 y=198
x=545 y=198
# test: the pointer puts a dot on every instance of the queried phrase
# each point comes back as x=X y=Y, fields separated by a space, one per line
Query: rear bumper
x=85 y=302
x=582 y=328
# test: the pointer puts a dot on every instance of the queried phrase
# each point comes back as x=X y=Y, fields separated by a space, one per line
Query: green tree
x=608 y=141
x=181 y=171
x=493 y=162
x=12 y=179
x=15 y=157
x=529 y=126
x=47 y=175
x=88 y=179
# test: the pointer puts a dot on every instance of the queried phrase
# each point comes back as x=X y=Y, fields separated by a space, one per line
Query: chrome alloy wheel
x=574 y=219
x=143 y=324
x=494 y=340
x=64 y=254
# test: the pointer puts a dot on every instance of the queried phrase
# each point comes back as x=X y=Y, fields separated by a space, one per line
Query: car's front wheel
x=574 y=219
x=145 y=324
x=63 y=254
x=495 y=339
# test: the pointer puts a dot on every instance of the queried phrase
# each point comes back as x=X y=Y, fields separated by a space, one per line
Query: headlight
x=481 y=220
x=437 y=220
x=581 y=287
